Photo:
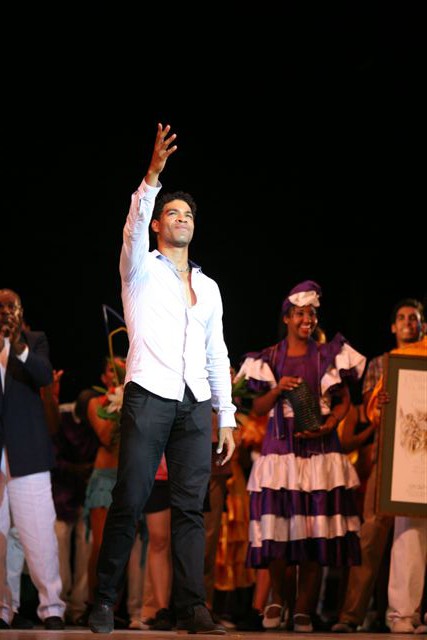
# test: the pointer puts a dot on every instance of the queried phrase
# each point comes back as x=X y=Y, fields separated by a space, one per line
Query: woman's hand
x=330 y=424
x=287 y=383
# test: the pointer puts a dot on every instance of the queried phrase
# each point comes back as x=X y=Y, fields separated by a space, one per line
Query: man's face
x=175 y=227
x=407 y=326
x=10 y=313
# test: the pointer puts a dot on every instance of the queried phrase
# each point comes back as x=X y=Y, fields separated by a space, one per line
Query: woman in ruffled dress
x=302 y=504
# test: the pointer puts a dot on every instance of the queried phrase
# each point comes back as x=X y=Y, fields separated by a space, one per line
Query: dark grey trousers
x=150 y=425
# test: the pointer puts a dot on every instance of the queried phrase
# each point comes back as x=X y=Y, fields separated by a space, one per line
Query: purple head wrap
x=304 y=293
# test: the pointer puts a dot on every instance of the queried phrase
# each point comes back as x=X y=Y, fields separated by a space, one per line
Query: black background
x=301 y=134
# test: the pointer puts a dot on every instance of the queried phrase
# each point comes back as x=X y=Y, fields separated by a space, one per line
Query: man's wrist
x=152 y=177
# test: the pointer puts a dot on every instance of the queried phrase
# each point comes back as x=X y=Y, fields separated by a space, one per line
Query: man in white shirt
x=177 y=371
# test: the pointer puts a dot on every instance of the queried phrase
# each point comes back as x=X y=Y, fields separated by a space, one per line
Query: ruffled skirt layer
x=303 y=509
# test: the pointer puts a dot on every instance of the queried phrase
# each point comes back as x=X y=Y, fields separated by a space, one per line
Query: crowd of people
x=137 y=504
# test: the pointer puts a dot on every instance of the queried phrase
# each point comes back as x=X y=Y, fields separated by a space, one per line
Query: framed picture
x=402 y=454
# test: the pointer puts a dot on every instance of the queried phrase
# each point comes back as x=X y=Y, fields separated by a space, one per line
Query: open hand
x=161 y=152
x=225 y=437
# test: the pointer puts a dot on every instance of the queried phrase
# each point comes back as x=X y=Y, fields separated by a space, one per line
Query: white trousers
x=407 y=568
x=27 y=502
x=15 y=562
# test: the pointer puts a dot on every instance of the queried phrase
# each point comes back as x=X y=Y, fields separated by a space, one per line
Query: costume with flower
x=302 y=503
x=104 y=416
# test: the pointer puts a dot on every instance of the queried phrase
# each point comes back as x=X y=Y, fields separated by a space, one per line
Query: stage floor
x=84 y=634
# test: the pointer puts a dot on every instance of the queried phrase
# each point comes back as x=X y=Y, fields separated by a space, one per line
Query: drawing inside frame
x=402 y=453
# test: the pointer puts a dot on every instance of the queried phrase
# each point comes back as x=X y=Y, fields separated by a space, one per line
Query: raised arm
x=161 y=153
x=135 y=234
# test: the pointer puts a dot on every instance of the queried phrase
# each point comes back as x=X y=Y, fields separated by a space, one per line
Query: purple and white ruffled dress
x=302 y=500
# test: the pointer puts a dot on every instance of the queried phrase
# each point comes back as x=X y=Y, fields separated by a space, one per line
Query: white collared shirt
x=171 y=344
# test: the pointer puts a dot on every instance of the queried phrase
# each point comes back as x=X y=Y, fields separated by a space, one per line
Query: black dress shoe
x=101 y=618
x=3 y=624
x=19 y=622
x=252 y=622
x=53 y=623
x=164 y=620
x=200 y=621
x=121 y=623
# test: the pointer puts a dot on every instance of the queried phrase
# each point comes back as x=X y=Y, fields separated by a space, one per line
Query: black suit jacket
x=23 y=428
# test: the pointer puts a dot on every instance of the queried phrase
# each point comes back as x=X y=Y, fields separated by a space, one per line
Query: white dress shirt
x=171 y=344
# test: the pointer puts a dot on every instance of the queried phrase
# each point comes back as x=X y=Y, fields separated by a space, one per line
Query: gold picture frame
x=402 y=452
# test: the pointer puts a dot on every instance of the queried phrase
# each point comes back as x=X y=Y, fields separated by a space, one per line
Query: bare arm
x=263 y=404
x=342 y=405
x=103 y=428
x=349 y=440
x=373 y=401
x=50 y=397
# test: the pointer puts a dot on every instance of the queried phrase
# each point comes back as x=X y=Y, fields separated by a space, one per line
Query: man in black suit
x=26 y=457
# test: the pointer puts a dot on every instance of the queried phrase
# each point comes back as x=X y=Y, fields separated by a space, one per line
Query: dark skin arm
x=263 y=404
x=341 y=407
x=50 y=397
x=349 y=440
x=383 y=398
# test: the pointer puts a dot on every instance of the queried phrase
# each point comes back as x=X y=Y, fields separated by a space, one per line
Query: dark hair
x=407 y=302
x=164 y=198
